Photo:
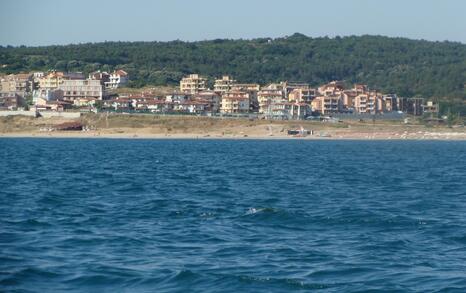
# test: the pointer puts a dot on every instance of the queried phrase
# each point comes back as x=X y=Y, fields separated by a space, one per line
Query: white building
x=117 y=79
x=47 y=95
x=268 y=97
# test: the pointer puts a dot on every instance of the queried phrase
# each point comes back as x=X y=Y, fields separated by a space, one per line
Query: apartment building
x=193 y=84
x=11 y=101
x=103 y=76
x=411 y=106
x=117 y=78
x=47 y=94
x=246 y=87
x=86 y=88
x=288 y=86
x=213 y=99
x=301 y=95
x=327 y=104
x=269 y=96
x=360 y=88
x=224 y=84
x=390 y=103
x=55 y=78
x=17 y=83
x=348 y=99
x=289 y=111
x=235 y=102
x=368 y=103
x=331 y=88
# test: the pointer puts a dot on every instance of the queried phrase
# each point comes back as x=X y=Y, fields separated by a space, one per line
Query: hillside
x=407 y=67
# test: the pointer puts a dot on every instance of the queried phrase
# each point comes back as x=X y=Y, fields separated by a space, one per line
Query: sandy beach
x=163 y=127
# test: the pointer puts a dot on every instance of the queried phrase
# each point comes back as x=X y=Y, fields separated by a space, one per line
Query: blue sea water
x=109 y=215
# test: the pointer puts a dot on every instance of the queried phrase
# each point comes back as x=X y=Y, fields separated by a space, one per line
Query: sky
x=51 y=22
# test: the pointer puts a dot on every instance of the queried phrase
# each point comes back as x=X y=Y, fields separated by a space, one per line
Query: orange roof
x=121 y=72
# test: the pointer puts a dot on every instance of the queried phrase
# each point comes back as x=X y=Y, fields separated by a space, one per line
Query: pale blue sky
x=45 y=22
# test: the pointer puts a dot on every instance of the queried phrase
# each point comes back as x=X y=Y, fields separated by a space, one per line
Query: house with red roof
x=118 y=78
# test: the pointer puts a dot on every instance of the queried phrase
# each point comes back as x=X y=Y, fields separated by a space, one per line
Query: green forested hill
x=404 y=66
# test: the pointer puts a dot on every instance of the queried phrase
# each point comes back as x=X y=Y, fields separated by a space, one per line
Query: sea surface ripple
x=116 y=215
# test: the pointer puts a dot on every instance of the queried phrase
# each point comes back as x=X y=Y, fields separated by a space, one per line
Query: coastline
x=160 y=127
x=436 y=136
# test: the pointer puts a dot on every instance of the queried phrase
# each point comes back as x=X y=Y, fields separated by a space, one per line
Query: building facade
x=55 y=78
x=117 y=78
x=87 y=88
x=193 y=84
x=327 y=104
x=235 y=102
x=368 y=104
x=17 y=83
x=268 y=97
x=224 y=84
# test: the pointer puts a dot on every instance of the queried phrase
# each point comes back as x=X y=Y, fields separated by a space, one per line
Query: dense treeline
x=407 y=67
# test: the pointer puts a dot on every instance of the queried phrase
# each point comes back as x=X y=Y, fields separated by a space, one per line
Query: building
x=327 y=104
x=246 y=87
x=36 y=76
x=178 y=97
x=360 y=88
x=55 y=78
x=348 y=100
x=84 y=102
x=210 y=97
x=288 y=87
x=368 y=104
x=47 y=94
x=430 y=107
x=224 y=84
x=289 y=111
x=104 y=77
x=252 y=89
x=301 y=95
x=331 y=88
x=86 y=88
x=120 y=104
x=411 y=106
x=192 y=107
x=193 y=84
x=21 y=83
x=234 y=102
x=390 y=103
x=269 y=96
x=11 y=101
x=44 y=105
x=154 y=106
x=117 y=78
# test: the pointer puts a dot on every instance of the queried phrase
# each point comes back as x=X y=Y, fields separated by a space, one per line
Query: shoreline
x=454 y=136
x=157 y=127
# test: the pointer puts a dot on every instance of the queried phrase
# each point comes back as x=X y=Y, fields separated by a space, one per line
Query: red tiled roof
x=121 y=72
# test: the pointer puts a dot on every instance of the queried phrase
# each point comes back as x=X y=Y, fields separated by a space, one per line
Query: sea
x=136 y=215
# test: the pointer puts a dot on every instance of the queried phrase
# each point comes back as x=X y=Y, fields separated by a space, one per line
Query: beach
x=191 y=127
